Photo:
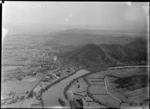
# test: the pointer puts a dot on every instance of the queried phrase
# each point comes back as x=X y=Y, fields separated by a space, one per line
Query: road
x=105 y=81
x=34 y=88
x=128 y=67
x=58 y=88
x=106 y=86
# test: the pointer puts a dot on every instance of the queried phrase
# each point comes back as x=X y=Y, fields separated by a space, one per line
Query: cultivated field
x=110 y=89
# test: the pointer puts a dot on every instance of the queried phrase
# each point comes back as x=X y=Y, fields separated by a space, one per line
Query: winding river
x=50 y=97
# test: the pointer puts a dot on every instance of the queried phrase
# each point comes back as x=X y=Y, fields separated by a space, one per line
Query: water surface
x=50 y=97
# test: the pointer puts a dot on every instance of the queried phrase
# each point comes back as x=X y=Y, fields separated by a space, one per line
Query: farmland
x=102 y=88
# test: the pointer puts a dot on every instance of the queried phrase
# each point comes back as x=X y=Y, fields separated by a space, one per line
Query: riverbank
x=53 y=88
x=57 y=91
x=65 y=91
x=88 y=92
x=56 y=82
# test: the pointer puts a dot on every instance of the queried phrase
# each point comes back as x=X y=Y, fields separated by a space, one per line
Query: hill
x=104 y=54
x=96 y=36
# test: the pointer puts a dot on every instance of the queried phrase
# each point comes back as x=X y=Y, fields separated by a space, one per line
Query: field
x=31 y=75
x=102 y=88
x=25 y=63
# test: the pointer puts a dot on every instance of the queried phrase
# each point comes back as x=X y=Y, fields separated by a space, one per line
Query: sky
x=103 y=14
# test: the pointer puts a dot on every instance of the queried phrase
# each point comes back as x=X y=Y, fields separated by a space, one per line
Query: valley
x=37 y=74
x=75 y=55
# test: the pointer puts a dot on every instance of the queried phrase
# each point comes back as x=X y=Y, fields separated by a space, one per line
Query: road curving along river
x=51 y=96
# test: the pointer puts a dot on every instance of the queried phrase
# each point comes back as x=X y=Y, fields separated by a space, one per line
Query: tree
x=17 y=98
x=22 y=97
x=27 y=92
x=31 y=94
x=79 y=103
x=58 y=75
x=78 y=86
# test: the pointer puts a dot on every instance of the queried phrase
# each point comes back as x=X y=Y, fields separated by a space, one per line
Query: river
x=50 y=97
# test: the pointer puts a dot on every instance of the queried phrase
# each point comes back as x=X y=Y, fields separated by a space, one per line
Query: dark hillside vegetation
x=131 y=54
x=133 y=82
